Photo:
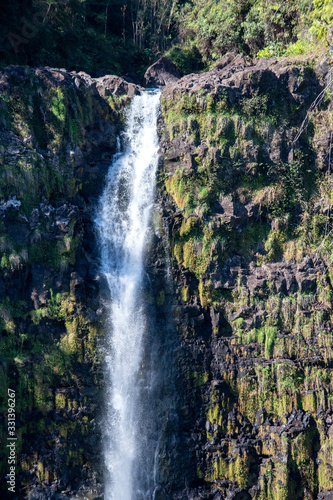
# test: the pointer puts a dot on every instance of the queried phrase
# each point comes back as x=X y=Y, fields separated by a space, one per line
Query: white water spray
x=122 y=224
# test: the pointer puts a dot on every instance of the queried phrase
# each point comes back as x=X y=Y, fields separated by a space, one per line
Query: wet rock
x=160 y=494
x=241 y=76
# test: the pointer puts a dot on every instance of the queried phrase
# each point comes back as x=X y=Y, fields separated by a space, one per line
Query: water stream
x=123 y=225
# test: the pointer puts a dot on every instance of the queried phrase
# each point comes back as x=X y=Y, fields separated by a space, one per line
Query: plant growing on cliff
x=57 y=104
x=322 y=18
x=292 y=178
x=254 y=106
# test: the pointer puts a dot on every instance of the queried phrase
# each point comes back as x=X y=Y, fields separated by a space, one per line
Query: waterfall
x=122 y=224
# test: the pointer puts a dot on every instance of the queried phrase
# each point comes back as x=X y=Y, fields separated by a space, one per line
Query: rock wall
x=240 y=328
x=246 y=194
x=57 y=136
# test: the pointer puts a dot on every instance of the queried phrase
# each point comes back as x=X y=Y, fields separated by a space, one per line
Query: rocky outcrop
x=161 y=73
x=244 y=389
x=58 y=133
x=240 y=76
x=116 y=86
x=245 y=211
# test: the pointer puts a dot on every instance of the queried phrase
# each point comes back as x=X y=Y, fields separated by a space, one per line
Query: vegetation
x=278 y=355
x=222 y=177
x=119 y=36
x=259 y=28
x=99 y=37
x=48 y=343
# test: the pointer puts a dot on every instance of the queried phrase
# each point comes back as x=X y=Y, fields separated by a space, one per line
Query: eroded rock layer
x=246 y=191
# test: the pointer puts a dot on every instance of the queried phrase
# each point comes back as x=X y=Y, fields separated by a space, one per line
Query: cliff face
x=57 y=135
x=240 y=330
x=246 y=192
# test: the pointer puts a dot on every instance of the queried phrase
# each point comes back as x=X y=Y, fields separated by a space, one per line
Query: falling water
x=122 y=224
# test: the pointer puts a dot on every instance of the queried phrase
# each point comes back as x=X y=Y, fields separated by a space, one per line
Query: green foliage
x=187 y=59
x=289 y=379
x=216 y=27
x=185 y=294
x=44 y=366
x=57 y=104
x=255 y=106
x=274 y=245
x=297 y=48
x=267 y=52
x=200 y=378
x=271 y=24
x=265 y=335
x=322 y=18
x=261 y=28
x=270 y=341
x=296 y=182
x=86 y=36
x=102 y=36
x=195 y=193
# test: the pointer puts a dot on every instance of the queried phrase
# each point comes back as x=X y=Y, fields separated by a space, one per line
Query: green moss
x=205 y=294
x=57 y=104
x=255 y=106
x=118 y=103
x=309 y=402
x=50 y=348
x=239 y=323
x=214 y=415
x=60 y=400
x=270 y=338
x=73 y=131
x=71 y=343
x=200 y=378
x=185 y=294
x=200 y=474
x=251 y=236
x=160 y=298
x=289 y=221
x=237 y=470
x=274 y=245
